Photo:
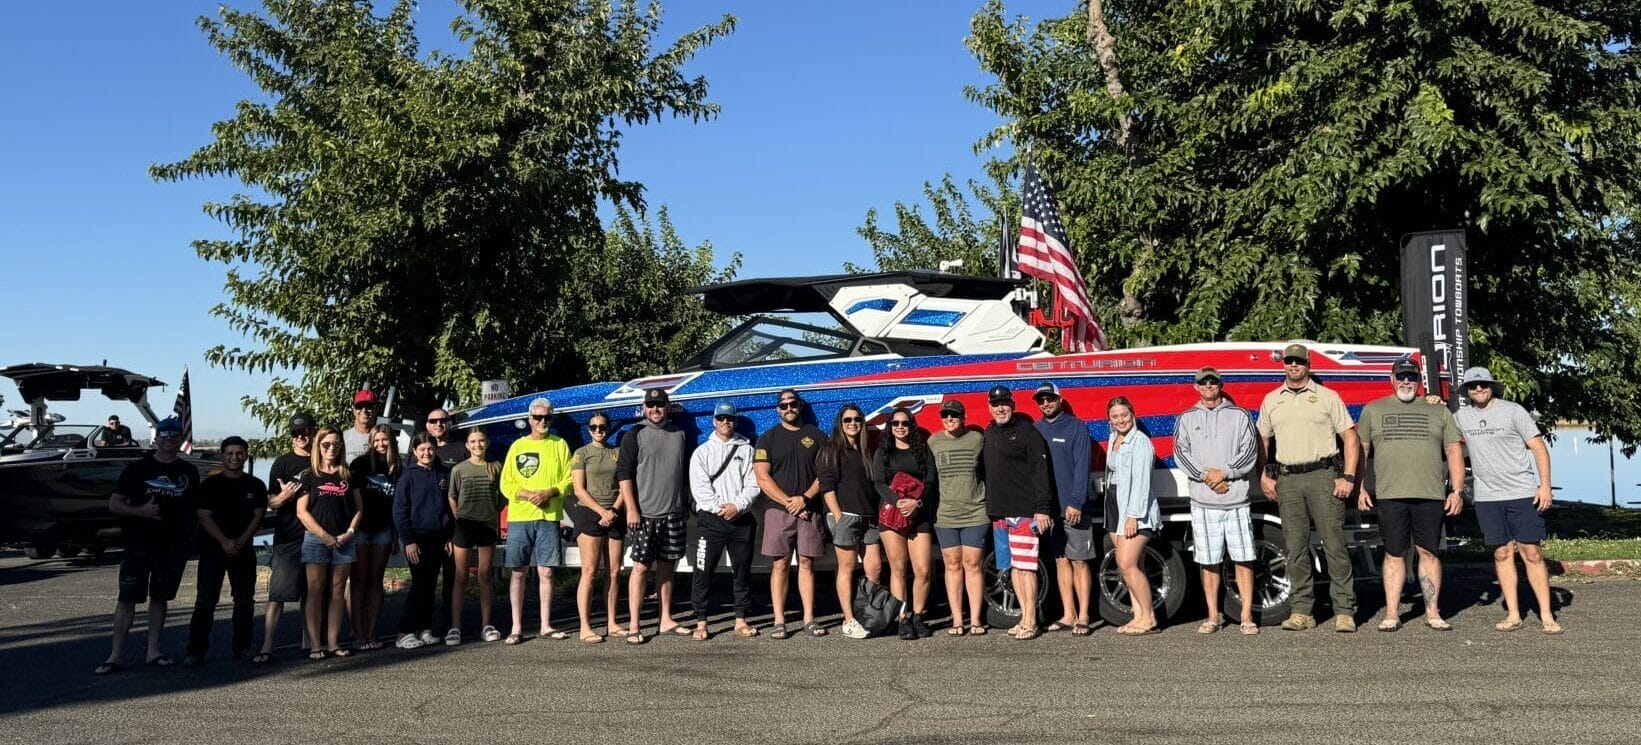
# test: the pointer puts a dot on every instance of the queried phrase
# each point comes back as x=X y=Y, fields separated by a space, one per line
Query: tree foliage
x=429 y=221
x=957 y=232
x=1280 y=149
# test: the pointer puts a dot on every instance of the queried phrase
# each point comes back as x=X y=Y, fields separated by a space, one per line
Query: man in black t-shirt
x=784 y=463
x=287 y=580
x=449 y=443
x=115 y=435
x=154 y=500
x=230 y=506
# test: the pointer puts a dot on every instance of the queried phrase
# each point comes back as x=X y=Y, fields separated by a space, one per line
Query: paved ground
x=1414 y=686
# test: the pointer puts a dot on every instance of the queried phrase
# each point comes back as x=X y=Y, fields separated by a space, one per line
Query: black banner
x=1435 y=303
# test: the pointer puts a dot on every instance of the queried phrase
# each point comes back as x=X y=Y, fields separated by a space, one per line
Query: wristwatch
x=1351 y=477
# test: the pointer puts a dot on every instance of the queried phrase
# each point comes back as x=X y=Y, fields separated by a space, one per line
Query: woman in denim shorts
x=329 y=508
x=373 y=475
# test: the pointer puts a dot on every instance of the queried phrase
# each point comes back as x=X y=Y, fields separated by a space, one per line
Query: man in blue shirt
x=1072 y=544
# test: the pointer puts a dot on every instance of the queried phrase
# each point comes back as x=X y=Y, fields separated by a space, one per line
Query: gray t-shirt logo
x=527 y=463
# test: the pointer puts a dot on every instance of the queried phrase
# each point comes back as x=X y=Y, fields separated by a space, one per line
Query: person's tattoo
x=1430 y=588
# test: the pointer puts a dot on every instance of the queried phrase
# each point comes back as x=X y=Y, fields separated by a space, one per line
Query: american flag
x=184 y=409
x=1045 y=253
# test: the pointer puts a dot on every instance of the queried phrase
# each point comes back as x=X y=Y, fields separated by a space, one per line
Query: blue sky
x=829 y=109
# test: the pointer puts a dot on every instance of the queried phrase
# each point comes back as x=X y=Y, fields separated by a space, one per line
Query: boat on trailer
x=917 y=339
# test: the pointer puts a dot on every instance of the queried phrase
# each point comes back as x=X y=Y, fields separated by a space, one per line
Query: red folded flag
x=904 y=486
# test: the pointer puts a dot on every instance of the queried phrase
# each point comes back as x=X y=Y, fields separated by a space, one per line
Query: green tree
x=419 y=221
x=1246 y=170
x=958 y=232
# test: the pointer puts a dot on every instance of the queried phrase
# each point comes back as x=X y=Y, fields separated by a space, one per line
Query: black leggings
x=419 y=601
x=713 y=535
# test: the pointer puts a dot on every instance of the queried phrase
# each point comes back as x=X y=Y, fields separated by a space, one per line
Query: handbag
x=904 y=486
x=876 y=610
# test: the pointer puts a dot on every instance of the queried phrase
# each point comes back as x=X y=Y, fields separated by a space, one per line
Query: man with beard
x=1072 y=543
x=287 y=579
x=1019 y=500
x=784 y=462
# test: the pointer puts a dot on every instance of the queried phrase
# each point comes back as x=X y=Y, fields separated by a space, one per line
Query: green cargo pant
x=1304 y=499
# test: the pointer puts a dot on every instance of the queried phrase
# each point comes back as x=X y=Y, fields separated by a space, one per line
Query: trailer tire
x=1271 y=585
x=1002 y=606
x=1169 y=582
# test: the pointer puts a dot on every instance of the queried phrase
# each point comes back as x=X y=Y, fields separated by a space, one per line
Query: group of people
x=341 y=501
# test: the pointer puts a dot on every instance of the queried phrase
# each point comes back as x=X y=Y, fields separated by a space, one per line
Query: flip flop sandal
x=1391 y=624
x=1507 y=626
x=1131 y=631
x=977 y=630
x=160 y=661
x=1081 y=629
x=513 y=640
x=1553 y=629
x=1208 y=627
x=1056 y=626
x=616 y=632
x=556 y=634
x=262 y=658
x=1438 y=624
x=107 y=668
x=1027 y=634
x=591 y=639
x=343 y=652
x=746 y=632
x=1015 y=629
x=318 y=654
x=955 y=631
x=637 y=638
x=699 y=635
x=779 y=632
x=815 y=629
x=1250 y=629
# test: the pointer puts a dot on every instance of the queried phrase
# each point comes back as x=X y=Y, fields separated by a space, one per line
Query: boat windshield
x=782 y=338
x=59 y=437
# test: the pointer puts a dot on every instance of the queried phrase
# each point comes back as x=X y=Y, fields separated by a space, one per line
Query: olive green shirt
x=962 y=495
x=1305 y=422
x=1407 y=441
x=475 y=489
x=598 y=463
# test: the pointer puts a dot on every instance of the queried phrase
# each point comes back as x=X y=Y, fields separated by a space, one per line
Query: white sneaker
x=854 y=630
x=428 y=637
x=453 y=638
x=408 y=641
x=490 y=634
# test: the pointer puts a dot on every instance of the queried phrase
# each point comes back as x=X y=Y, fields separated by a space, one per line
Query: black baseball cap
x=656 y=396
x=953 y=406
x=1404 y=365
x=302 y=420
x=1046 y=389
x=1000 y=394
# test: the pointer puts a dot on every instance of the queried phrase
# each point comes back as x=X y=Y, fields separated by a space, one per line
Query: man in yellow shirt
x=535 y=477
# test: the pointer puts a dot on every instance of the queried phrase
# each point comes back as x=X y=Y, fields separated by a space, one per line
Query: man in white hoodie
x=723 y=485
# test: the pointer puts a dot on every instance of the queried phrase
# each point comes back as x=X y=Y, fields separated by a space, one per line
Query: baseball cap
x=1297 y=350
x=953 y=406
x=656 y=396
x=1404 y=365
x=724 y=408
x=1046 y=389
x=302 y=420
x=1204 y=373
x=366 y=396
x=1000 y=394
x=168 y=426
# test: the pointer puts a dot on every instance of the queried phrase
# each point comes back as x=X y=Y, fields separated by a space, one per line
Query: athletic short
x=1404 y=523
x=1218 y=533
x=1016 y=543
x=853 y=531
x=783 y=533
x=1510 y=520
x=314 y=551
x=659 y=538
x=973 y=536
x=1073 y=542
x=379 y=538
x=287 y=580
x=150 y=575
x=586 y=523
x=532 y=543
x=474 y=534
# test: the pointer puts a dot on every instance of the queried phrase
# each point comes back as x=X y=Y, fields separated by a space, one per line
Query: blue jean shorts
x=533 y=543
x=973 y=536
x=314 y=551
x=378 y=538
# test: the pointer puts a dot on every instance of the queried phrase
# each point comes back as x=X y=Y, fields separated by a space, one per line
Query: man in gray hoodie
x=651 y=471
x=722 y=482
x=1217 y=448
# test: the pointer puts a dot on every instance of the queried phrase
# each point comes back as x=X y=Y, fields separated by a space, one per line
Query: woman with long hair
x=600 y=528
x=373 y=475
x=842 y=467
x=1132 y=516
x=329 y=509
x=909 y=550
x=475 y=500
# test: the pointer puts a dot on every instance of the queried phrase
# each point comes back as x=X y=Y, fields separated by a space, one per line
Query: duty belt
x=1332 y=461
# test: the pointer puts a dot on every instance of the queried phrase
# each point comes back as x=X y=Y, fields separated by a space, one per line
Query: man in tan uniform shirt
x=1310 y=477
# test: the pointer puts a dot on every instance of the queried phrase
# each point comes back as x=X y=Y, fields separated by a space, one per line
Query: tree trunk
x=1131 y=308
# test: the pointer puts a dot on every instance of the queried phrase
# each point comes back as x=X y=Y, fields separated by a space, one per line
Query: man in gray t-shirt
x=652 y=471
x=1506 y=449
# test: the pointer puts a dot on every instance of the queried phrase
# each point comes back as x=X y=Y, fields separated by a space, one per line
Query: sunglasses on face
x=329 y=445
x=949 y=415
x=1477 y=386
x=853 y=420
x=439 y=421
x=361 y=407
x=1295 y=361
x=598 y=428
x=1208 y=381
x=540 y=417
x=724 y=418
x=900 y=423
x=1046 y=399
x=1407 y=377
x=655 y=406
x=788 y=405
x=305 y=434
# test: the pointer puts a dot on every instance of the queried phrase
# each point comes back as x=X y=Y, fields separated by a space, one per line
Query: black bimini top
x=38 y=380
x=814 y=294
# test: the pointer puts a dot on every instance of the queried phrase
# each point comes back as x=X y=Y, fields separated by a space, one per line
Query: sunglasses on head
x=853 y=420
x=788 y=405
x=1407 y=377
x=1208 y=381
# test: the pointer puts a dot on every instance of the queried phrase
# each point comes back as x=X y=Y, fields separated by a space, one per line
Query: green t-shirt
x=1407 y=441
x=476 y=491
x=598 y=463
x=962 y=495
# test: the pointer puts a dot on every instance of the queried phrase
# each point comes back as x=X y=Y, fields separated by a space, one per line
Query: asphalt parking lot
x=1414 y=686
